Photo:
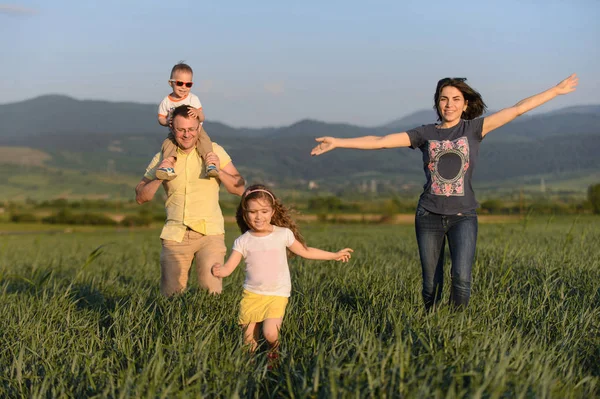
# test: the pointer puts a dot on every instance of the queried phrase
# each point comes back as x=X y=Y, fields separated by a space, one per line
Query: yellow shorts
x=255 y=308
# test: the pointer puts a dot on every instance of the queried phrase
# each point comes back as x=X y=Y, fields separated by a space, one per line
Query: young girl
x=267 y=231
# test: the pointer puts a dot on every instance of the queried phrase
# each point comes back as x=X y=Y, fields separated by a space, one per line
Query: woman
x=446 y=208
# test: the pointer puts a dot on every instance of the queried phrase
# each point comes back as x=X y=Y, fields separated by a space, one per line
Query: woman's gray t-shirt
x=449 y=157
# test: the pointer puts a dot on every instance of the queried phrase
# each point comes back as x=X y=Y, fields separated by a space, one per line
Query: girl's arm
x=394 y=140
x=318 y=254
x=225 y=270
x=506 y=115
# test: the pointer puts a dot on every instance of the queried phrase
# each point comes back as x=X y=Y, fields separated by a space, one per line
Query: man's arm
x=232 y=180
x=146 y=189
x=228 y=175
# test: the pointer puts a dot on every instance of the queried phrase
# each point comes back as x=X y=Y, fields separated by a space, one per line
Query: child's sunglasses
x=180 y=83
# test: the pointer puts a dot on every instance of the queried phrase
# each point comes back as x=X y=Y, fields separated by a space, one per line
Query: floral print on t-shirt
x=454 y=186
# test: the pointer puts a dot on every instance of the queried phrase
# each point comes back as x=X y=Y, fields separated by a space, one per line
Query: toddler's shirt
x=169 y=103
x=267 y=270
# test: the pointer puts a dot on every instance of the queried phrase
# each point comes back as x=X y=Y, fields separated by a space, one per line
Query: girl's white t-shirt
x=267 y=270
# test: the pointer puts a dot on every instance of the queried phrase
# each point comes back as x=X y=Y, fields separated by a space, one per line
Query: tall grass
x=82 y=316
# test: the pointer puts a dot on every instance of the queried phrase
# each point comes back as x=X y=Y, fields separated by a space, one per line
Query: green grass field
x=78 y=321
x=20 y=183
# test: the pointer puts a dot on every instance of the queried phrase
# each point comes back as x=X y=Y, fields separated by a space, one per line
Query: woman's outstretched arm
x=394 y=140
x=506 y=115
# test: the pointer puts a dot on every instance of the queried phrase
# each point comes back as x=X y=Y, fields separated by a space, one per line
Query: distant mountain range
x=119 y=137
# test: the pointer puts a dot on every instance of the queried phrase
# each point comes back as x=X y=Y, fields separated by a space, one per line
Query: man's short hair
x=181 y=66
x=182 y=110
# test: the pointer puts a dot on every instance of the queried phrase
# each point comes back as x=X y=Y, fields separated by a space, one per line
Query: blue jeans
x=461 y=231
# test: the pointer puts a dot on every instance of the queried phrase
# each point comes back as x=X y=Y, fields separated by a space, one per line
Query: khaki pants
x=203 y=145
x=176 y=260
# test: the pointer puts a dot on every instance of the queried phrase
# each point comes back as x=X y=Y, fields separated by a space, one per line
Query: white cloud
x=274 y=88
x=12 y=9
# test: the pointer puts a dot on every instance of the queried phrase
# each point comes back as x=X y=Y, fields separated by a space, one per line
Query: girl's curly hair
x=281 y=215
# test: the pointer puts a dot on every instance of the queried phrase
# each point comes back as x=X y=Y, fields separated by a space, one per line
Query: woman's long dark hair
x=475 y=105
x=281 y=216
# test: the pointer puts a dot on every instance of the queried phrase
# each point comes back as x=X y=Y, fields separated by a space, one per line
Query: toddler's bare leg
x=204 y=147
x=169 y=151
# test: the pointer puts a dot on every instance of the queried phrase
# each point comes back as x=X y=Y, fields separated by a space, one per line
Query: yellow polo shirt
x=192 y=198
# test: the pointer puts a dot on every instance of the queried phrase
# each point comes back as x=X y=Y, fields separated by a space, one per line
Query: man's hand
x=146 y=189
x=167 y=163
x=213 y=159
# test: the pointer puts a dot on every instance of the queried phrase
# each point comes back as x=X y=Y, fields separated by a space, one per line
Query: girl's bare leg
x=270 y=330
x=251 y=336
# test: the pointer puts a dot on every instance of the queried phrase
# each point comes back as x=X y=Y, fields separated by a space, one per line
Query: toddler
x=181 y=83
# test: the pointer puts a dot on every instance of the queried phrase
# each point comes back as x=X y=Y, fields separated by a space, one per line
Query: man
x=194 y=227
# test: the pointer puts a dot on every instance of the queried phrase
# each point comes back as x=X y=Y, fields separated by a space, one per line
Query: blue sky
x=269 y=63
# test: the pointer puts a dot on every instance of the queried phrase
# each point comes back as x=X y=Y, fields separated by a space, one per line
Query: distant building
x=373 y=186
x=363 y=187
x=313 y=185
x=110 y=167
x=542 y=185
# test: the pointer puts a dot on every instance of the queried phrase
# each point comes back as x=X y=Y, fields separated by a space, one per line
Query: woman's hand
x=567 y=86
x=325 y=144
